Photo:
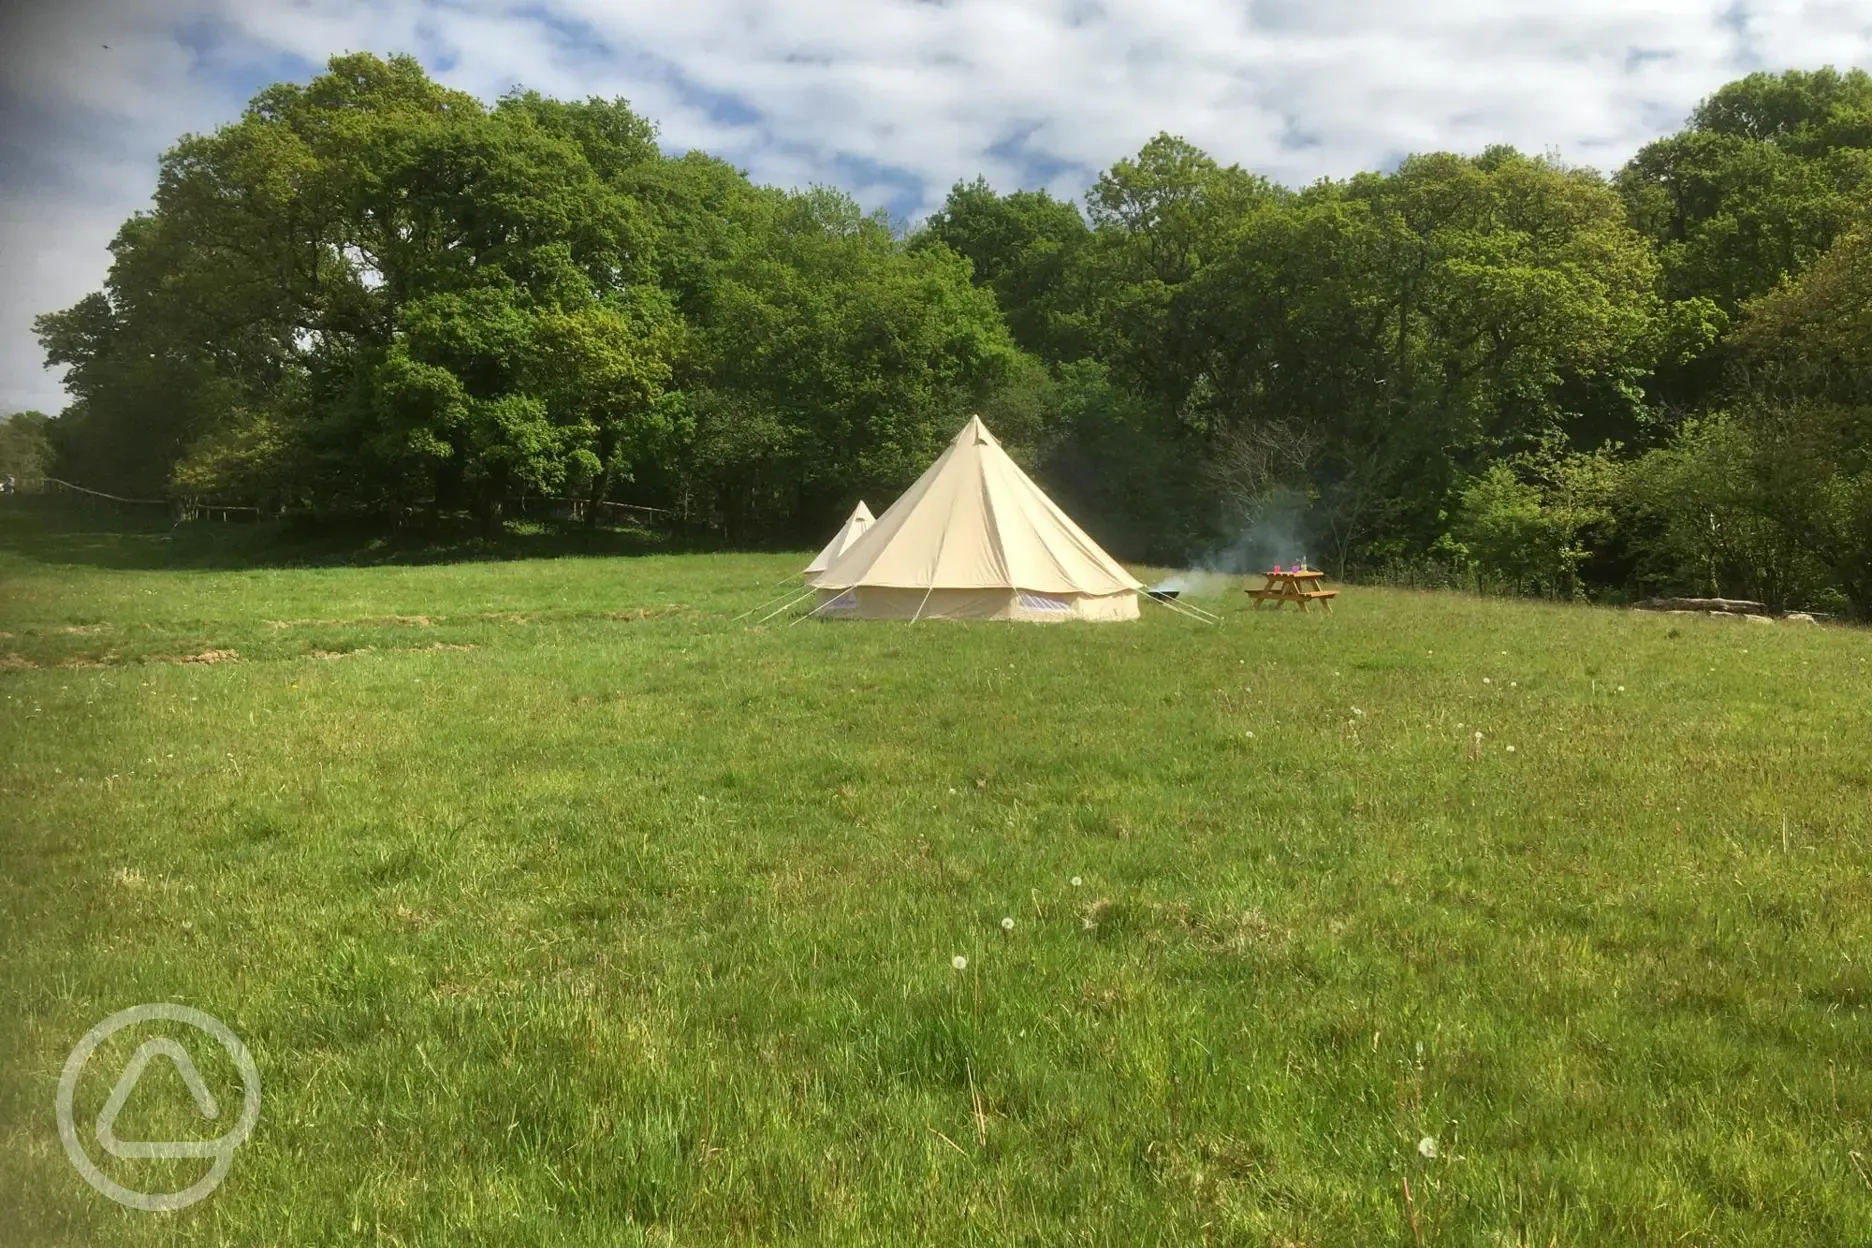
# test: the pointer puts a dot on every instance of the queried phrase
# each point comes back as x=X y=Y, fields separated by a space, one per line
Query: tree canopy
x=372 y=293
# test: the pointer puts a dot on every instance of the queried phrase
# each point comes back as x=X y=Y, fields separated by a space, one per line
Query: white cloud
x=892 y=98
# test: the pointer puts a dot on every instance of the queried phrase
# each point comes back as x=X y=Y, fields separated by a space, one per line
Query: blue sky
x=892 y=99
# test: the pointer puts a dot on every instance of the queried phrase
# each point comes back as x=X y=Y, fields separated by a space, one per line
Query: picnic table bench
x=1300 y=587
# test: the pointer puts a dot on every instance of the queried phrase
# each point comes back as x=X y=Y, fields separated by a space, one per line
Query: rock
x=1725 y=615
x=1758 y=619
x=1799 y=617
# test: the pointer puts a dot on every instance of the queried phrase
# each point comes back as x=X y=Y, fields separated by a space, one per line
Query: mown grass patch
x=559 y=909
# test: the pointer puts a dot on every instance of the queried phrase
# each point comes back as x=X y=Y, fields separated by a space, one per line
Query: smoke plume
x=1276 y=533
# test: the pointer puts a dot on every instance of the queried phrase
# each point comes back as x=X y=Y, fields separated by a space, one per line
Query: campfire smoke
x=1275 y=534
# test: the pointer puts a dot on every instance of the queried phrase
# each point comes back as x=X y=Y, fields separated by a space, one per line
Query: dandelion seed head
x=1426 y=1148
x=1076 y=881
x=1007 y=924
x=959 y=962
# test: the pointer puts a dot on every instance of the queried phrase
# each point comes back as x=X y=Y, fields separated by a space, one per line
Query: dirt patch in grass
x=432 y=646
x=17 y=663
x=207 y=656
x=91 y=660
x=645 y=613
x=410 y=621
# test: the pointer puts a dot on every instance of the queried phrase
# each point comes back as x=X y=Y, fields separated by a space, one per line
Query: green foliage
x=25 y=446
x=1420 y=324
x=1502 y=527
x=344 y=289
x=1773 y=498
x=829 y=361
x=1700 y=507
x=1161 y=219
x=1805 y=367
x=1768 y=172
x=1032 y=251
x=375 y=293
x=1114 y=462
x=1527 y=522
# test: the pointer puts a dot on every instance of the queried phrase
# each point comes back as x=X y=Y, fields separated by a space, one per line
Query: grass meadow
x=557 y=908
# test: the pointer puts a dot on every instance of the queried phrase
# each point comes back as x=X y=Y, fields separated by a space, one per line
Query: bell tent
x=975 y=539
x=861 y=519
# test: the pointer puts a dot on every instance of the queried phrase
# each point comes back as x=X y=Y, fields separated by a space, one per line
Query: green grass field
x=558 y=909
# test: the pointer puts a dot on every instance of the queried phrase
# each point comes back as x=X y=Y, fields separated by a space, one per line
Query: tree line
x=374 y=294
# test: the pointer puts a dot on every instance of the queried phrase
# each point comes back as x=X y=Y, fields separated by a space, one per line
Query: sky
x=893 y=100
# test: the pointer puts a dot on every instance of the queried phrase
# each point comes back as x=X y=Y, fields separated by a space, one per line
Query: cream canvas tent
x=861 y=519
x=975 y=539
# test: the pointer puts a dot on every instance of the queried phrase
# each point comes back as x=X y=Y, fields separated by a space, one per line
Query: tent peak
x=976 y=434
x=849 y=532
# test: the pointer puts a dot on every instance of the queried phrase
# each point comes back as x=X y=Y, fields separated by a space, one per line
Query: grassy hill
x=556 y=908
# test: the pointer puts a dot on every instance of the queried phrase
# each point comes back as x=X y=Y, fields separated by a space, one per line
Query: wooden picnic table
x=1298 y=587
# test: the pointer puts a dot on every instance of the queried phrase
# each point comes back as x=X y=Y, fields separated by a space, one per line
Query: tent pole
x=942 y=544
